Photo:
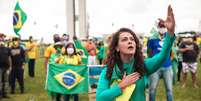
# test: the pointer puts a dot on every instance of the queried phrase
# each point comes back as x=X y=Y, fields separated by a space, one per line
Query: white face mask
x=162 y=30
x=70 y=51
x=65 y=38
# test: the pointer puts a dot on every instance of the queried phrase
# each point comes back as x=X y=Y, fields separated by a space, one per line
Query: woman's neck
x=126 y=58
x=70 y=55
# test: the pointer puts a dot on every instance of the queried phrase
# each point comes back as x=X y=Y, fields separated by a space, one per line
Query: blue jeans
x=167 y=75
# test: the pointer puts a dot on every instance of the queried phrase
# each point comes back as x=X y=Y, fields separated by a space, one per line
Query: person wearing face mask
x=154 y=46
x=54 y=58
x=69 y=57
x=51 y=49
x=18 y=62
x=51 y=53
x=58 y=47
x=190 y=52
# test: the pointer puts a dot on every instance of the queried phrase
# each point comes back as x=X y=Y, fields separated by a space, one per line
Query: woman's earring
x=117 y=50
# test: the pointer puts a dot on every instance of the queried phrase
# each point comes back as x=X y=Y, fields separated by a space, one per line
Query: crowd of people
x=122 y=55
x=14 y=55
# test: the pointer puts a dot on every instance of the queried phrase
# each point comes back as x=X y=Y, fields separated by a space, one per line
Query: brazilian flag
x=79 y=48
x=67 y=79
x=19 y=18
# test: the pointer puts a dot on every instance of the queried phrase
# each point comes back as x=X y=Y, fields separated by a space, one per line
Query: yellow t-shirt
x=32 y=50
x=73 y=60
x=51 y=50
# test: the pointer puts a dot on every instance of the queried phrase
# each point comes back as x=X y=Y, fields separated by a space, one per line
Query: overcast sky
x=141 y=14
x=46 y=17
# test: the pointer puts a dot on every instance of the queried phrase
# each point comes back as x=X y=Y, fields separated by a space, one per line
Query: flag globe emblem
x=19 y=18
x=69 y=79
x=15 y=18
x=17 y=22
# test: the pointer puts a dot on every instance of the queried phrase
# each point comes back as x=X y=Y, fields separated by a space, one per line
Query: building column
x=83 y=27
x=70 y=12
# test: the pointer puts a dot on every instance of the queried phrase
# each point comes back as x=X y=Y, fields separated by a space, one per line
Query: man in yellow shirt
x=51 y=50
x=31 y=52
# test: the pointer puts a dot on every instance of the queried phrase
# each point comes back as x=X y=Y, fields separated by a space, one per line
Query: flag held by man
x=19 y=18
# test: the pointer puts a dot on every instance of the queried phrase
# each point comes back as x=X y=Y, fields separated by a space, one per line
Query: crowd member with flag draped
x=126 y=74
x=50 y=51
x=53 y=59
x=70 y=57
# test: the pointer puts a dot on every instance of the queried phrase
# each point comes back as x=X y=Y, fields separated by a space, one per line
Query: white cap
x=58 y=43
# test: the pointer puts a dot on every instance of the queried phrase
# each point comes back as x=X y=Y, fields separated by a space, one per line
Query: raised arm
x=78 y=45
x=152 y=64
x=169 y=23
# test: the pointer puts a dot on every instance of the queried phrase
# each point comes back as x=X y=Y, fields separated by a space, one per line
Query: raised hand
x=169 y=23
x=128 y=80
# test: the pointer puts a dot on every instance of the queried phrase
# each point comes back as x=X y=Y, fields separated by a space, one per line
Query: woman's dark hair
x=75 y=53
x=114 y=56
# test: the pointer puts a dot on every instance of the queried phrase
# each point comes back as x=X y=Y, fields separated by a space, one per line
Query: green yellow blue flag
x=19 y=18
x=67 y=79
x=84 y=54
x=154 y=33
